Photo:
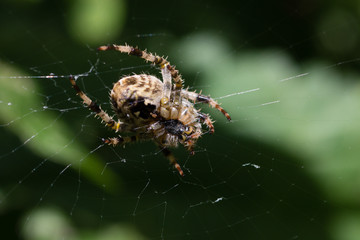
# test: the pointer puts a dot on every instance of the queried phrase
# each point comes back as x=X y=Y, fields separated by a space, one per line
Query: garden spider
x=153 y=109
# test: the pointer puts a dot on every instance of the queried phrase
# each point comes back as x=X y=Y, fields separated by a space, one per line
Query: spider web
x=285 y=167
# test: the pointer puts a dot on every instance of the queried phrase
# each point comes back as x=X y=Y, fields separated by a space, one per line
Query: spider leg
x=121 y=140
x=167 y=153
x=204 y=99
x=93 y=106
x=169 y=109
x=166 y=77
x=155 y=59
x=165 y=108
x=204 y=118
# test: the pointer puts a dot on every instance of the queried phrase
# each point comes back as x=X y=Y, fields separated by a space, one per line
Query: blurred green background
x=286 y=167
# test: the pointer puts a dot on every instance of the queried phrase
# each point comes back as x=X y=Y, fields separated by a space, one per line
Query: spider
x=151 y=109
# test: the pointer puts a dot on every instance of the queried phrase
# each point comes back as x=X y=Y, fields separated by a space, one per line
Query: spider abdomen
x=136 y=97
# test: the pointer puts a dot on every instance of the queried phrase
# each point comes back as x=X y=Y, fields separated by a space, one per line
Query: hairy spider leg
x=157 y=60
x=204 y=118
x=93 y=106
x=164 y=102
x=196 y=97
x=122 y=140
x=167 y=153
x=166 y=77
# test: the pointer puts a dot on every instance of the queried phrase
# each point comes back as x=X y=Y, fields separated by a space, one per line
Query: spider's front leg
x=169 y=108
x=93 y=106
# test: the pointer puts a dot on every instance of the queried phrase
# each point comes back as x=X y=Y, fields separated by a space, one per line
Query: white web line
x=139 y=196
x=238 y=93
x=38 y=166
x=77 y=196
x=264 y=104
x=103 y=199
x=322 y=69
x=219 y=199
x=31 y=137
x=48 y=189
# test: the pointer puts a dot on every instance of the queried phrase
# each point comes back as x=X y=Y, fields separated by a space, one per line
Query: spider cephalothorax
x=154 y=109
